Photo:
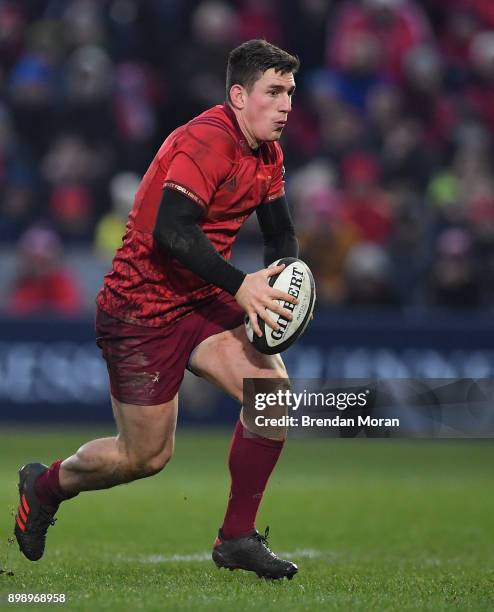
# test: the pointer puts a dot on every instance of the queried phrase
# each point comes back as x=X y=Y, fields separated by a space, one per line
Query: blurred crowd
x=387 y=150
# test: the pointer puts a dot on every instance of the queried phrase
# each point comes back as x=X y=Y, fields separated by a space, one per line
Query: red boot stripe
x=22 y=527
x=22 y=514
x=25 y=504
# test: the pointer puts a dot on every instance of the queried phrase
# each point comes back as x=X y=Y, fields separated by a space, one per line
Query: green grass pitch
x=373 y=525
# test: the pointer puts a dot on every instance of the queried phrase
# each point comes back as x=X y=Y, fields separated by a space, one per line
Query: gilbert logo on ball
x=297 y=280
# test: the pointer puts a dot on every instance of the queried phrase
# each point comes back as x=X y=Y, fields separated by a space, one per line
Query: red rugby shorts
x=146 y=365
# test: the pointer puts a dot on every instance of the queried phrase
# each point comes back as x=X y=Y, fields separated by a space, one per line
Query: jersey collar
x=244 y=145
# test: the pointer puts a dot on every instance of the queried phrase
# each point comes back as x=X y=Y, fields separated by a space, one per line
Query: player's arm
x=178 y=233
x=277 y=230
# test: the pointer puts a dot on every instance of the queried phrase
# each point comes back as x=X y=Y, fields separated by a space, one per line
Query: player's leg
x=142 y=447
x=225 y=359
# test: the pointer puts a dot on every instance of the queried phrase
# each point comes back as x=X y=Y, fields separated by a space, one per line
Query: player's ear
x=237 y=96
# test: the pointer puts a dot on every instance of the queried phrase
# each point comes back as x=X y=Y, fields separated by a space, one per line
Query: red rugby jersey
x=209 y=160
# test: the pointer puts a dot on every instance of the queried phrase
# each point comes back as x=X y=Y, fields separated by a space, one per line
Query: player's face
x=267 y=105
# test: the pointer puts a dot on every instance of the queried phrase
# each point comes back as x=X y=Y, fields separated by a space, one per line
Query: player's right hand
x=255 y=296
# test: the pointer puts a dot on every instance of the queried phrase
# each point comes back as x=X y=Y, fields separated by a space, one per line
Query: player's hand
x=255 y=296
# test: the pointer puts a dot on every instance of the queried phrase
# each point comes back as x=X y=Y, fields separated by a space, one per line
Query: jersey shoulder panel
x=213 y=130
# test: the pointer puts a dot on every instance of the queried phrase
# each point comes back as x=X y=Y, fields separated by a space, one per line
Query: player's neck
x=251 y=139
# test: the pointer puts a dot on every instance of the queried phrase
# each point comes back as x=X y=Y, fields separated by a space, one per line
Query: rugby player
x=173 y=301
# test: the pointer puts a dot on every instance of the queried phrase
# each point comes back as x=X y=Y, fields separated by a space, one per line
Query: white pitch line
x=307 y=553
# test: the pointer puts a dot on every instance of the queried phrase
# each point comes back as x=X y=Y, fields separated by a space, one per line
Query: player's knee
x=156 y=463
x=276 y=370
x=277 y=374
x=149 y=464
x=280 y=372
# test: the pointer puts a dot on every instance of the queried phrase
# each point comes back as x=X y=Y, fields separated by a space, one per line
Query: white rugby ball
x=297 y=280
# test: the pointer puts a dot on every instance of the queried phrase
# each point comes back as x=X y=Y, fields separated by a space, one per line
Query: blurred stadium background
x=389 y=175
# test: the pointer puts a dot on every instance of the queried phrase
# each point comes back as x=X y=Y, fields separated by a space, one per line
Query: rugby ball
x=297 y=280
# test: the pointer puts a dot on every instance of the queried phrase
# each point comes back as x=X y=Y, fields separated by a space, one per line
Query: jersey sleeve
x=201 y=160
x=277 y=187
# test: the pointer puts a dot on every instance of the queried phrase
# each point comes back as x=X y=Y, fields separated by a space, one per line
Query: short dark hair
x=248 y=62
